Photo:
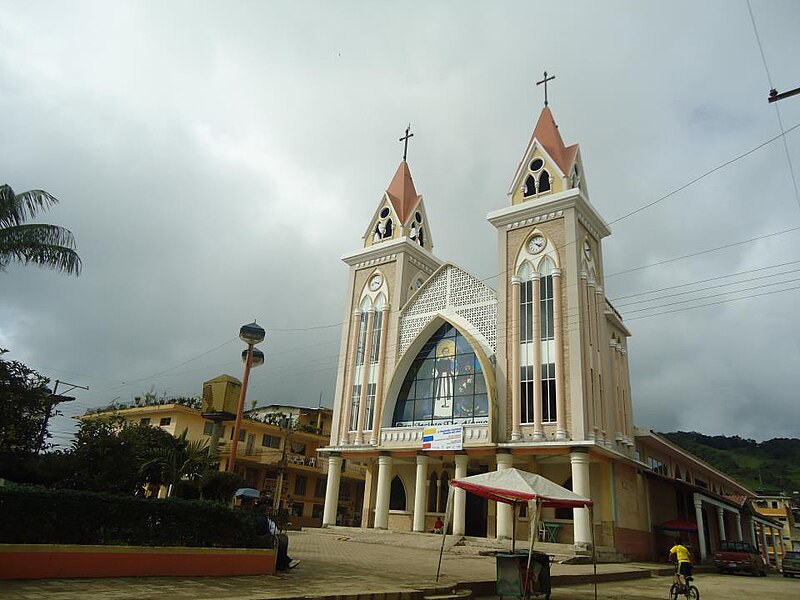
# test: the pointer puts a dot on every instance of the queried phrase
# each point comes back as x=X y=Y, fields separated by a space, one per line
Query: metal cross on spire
x=544 y=81
x=405 y=139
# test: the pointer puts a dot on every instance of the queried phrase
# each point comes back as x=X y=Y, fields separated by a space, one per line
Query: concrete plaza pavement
x=334 y=564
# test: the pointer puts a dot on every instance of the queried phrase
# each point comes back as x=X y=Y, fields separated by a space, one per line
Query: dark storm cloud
x=215 y=161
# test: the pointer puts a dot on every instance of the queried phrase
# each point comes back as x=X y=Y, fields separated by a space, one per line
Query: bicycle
x=684 y=589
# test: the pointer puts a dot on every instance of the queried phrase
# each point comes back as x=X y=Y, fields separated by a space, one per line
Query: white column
x=701 y=534
x=775 y=534
x=558 y=334
x=783 y=548
x=579 y=461
x=739 y=527
x=764 y=549
x=460 y=497
x=505 y=513
x=721 y=521
x=420 y=493
x=516 y=433
x=332 y=490
x=384 y=488
x=752 y=528
x=591 y=367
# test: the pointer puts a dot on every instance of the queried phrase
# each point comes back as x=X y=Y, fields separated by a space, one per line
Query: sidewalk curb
x=484 y=588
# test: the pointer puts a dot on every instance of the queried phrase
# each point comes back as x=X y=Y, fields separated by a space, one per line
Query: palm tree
x=188 y=459
x=48 y=246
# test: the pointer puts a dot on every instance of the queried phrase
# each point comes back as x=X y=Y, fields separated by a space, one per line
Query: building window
x=444 y=385
x=317 y=510
x=397 y=494
x=242 y=434
x=433 y=492
x=547 y=366
x=356 y=400
x=657 y=466
x=208 y=428
x=270 y=441
x=544 y=182
x=320 y=486
x=300 y=485
x=144 y=422
x=165 y=421
x=297 y=509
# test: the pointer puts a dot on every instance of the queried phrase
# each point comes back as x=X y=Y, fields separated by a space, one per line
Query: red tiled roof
x=401 y=192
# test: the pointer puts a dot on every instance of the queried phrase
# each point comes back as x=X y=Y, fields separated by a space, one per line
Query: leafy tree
x=109 y=453
x=24 y=406
x=45 y=245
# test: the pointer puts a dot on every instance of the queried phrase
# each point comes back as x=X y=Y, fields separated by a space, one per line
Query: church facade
x=533 y=374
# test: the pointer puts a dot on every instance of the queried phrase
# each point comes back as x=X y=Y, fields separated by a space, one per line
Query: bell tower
x=557 y=333
x=395 y=260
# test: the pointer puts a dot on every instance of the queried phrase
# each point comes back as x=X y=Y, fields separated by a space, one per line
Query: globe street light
x=251 y=335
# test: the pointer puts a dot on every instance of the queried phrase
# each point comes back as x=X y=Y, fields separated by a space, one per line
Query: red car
x=739 y=556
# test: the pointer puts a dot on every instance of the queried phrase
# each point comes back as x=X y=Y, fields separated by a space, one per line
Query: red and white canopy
x=513 y=486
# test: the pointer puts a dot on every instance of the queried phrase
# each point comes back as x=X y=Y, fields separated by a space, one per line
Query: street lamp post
x=251 y=335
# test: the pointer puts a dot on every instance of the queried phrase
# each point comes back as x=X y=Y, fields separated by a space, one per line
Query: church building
x=532 y=375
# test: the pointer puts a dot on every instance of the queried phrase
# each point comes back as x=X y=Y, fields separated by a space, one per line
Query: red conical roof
x=546 y=132
x=402 y=193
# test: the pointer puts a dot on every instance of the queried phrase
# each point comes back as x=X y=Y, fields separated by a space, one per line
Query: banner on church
x=443 y=437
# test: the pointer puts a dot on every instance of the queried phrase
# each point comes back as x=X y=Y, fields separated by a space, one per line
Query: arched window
x=397 y=495
x=445 y=489
x=547 y=336
x=544 y=181
x=433 y=492
x=359 y=365
x=545 y=371
x=530 y=186
x=444 y=385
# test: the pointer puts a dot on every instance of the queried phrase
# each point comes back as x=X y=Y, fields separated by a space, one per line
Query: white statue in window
x=444 y=381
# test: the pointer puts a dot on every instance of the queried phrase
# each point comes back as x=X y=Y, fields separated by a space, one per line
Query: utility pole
x=52 y=400
x=286 y=427
x=774 y=96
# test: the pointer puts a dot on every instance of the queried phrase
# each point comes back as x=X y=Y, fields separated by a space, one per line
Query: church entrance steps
x=426 y=541
x=462 y=545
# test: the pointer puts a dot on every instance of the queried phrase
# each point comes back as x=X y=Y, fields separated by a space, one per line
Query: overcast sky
x=215 y=160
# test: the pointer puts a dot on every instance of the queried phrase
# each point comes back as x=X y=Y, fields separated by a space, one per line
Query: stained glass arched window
x=445 y=384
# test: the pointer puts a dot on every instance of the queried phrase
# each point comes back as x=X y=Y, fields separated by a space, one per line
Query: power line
x=704 y=280
x=723 y=247
x=777 y=109
x=704 y=175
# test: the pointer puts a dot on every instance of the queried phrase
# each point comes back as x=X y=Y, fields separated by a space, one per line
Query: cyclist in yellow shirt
x=684 y=557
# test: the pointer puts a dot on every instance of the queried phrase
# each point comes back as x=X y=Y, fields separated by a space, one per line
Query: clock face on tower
x=375 y=282
x=536 y=244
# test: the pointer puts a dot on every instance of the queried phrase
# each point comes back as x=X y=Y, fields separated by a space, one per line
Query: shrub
x=59 y=516
x=220 y=486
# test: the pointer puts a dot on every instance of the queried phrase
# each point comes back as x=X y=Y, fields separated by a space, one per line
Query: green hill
x=772 y=466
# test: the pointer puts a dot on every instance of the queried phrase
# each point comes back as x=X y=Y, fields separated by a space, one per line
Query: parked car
x=791 y=564
x=739 y=556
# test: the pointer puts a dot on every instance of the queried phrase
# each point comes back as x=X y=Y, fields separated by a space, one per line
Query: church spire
x=401 y=212
x=548 y=165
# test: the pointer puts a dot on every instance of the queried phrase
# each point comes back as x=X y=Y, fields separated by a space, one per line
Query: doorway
x=477 y=509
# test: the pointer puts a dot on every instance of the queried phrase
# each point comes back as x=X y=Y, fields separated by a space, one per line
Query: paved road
x=335 y=564
x=711 y=586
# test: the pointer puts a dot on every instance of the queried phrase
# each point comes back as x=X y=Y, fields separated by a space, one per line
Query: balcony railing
x=348 y=467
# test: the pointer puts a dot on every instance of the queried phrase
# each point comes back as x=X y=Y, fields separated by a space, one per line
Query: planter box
x=54 y=561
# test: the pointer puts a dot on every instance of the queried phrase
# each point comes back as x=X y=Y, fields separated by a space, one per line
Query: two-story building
x=277 y=452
